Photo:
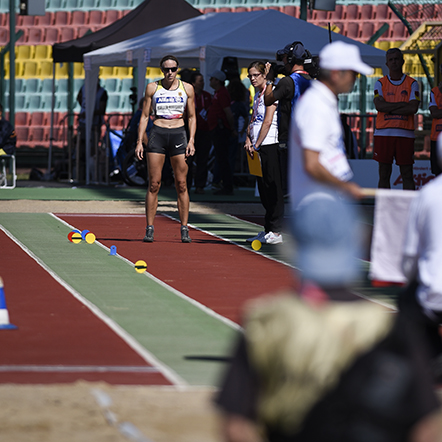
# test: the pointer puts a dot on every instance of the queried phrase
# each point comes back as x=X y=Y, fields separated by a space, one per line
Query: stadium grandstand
x=415 y=27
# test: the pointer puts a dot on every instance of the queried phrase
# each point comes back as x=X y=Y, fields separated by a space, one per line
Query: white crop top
x=169 y=104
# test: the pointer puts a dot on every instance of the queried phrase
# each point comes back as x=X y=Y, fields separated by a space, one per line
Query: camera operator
x=286 y=92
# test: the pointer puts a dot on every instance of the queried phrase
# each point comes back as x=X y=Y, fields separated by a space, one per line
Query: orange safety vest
x=436 y=124
x=395 y=94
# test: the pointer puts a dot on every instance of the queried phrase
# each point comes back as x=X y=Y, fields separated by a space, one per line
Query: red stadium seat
x=320 y=15
x=35 y=36
x=68 y=33
x=399 y=31
x=353 y=30
x=39 y=119
x=22 y=119
x=353 y=12
x=4 y=36
x=383 y=12
x=79 y=18
x=338 y=13
x=293 y=11
x=367 y=30
x=22 y=134
x=26 y=20
x=62 y=18
x=96 y=18
x=52 y=36
x=45 y=20
x=367 y=12
x=111 y=15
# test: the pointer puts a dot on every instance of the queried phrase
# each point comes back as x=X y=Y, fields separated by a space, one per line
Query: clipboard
x=254 y=164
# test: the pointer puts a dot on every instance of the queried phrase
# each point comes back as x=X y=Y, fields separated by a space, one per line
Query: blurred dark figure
x=8 y=137
x=97 y=122
x=203 y=141
x=240 y=106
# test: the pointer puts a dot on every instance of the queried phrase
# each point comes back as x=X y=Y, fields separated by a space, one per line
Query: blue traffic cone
x=4 y=316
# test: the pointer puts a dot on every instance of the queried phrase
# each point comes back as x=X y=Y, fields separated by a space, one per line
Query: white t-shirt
x=394 y=132
x=259 y=112
x=316 y=125
x=423 y=244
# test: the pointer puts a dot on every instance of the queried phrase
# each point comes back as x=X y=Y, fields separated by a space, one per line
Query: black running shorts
x=171 y=141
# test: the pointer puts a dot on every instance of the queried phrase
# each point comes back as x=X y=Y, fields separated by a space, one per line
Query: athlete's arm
x=191 y=119
x=150 y=90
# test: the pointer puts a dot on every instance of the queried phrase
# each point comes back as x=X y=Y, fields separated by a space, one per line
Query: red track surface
x=56 y=329
x=220 y=275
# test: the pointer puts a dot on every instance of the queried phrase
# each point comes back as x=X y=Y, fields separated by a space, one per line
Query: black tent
x=148 y=16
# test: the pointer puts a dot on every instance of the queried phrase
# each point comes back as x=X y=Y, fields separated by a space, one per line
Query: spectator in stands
x=436 y=125
x=8 y=137
x=396 y=98
x=167 y=98
x=421 y=263
x=203 y=141
x=222 y=129
x=97 y=121
x=287 y=92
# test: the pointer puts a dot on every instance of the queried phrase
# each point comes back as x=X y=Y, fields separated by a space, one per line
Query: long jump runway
x=84 y=314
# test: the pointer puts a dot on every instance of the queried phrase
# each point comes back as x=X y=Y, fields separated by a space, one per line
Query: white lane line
x=232 y=242
x=166 y=371
x=176 y=292
x=76 y=369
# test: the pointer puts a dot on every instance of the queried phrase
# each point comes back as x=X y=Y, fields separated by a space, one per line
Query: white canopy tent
x=205 y=40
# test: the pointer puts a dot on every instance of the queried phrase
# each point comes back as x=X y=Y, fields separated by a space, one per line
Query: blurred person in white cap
x=327 y=366
x=422 y=264
x=397 y=99
x=222 y=126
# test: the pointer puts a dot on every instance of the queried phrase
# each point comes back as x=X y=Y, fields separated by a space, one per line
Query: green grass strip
x=179 y=334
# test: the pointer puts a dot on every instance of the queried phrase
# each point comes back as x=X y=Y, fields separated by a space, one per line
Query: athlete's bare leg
x=180 y=168
x=155 y=162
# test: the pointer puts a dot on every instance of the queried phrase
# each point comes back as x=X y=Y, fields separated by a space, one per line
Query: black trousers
x=410 y=308
x=221 y=143
x=203 y=143
x=270 y=187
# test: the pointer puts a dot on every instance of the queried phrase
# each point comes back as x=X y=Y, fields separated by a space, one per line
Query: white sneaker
x=259 y=237
x=272 y=238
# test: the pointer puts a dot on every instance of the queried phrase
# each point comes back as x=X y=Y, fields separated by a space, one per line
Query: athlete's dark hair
x=169 y=57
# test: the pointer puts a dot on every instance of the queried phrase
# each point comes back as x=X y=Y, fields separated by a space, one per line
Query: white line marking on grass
x=176 y=292
x=233 y=242
x=167 y=372
x=77 y=369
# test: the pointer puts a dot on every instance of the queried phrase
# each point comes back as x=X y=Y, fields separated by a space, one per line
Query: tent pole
x=51 y=132
x=12 y=62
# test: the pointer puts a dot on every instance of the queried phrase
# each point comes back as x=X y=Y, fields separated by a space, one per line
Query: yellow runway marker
x=90 y=238
x=140 y=266
x=76 y=238
x=256 y=245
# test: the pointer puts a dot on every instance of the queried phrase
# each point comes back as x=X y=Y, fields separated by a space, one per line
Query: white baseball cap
x=342 y=56
x=219 y=75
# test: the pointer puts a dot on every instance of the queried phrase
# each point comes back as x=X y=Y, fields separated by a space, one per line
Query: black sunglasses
x=174 y=69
